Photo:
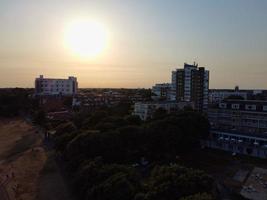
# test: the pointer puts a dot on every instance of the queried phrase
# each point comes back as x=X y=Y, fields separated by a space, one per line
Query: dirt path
x=52 y=185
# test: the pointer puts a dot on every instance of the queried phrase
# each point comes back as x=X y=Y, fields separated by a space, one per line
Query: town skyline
x=140 y=43
x=133 y=99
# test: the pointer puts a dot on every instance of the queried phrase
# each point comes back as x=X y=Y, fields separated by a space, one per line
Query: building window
x=264 y=108
x=222 y=105
x=235 y=106
x=250 y=107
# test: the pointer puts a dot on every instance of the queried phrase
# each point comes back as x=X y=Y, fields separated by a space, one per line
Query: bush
x=199 y=196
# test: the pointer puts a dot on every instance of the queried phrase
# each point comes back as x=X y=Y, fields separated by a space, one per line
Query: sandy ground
x=10 y=133
x=22 y=158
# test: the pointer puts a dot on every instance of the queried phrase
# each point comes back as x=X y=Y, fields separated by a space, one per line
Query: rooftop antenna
x=195 y=62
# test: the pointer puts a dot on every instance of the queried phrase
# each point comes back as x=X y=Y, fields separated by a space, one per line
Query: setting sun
x=86 y=38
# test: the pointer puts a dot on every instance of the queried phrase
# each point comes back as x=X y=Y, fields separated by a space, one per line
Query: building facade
x=145 y=110
x=239 y=126
x=50 y=86
x=218 y=95
x=248 y=116
x=237 y=143
x=162 y=91
x=191 y=84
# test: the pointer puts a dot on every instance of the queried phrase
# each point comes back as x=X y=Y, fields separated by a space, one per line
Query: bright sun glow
x=86 y=38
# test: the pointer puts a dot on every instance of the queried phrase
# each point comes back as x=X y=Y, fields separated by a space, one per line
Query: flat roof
x=162 y=102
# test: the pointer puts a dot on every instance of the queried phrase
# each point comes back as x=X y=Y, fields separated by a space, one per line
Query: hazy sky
x=147 y=39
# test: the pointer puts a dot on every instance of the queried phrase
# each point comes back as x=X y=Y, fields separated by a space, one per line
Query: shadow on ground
x=52 y=185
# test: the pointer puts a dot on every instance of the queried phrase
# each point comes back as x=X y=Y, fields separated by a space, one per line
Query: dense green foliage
x=15 y=101
x=117 y=156
x=111 y=154
x=199 y=196
x=172 y=182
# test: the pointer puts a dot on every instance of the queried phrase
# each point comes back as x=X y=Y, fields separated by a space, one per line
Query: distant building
x=218 y=95
x=51 y=86
x=191 y=84
x=161 y=91
x=145 y=110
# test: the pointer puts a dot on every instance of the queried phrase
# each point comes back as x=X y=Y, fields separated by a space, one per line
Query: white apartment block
x=216 y=96
x=145 y=110
x=53 y=86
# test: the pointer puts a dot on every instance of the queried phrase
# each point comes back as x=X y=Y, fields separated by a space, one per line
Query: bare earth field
x=28 y=170
x=22 y=158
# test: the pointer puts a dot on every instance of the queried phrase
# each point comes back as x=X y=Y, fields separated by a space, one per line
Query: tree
x=117 y=186
x=79 y=118
x=173 y=182
x=67 y=127
x=199 y=196
x=39 y=117
x=175 y=134
x=134 y=141
x=15 y=101
x=96 y=180
x=62 y=141
x=120 y=144
x=64 y=134
x=96 y=117
x=122 y=109
x=160 y=113
x=133 y=120
x=68 y=102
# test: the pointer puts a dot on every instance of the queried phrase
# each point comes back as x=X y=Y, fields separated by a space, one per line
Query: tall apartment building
x=51 y=86
x=191 y=84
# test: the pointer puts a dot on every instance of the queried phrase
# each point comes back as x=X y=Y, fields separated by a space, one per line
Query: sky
x=147 y=39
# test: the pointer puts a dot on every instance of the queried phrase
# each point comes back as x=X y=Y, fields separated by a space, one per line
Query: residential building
x=218 y=95
x=91 y=99
x=145 y=110
x=239 y=126
x=249 y=116
x=191 y=84
x=52 y=86
x=161 y=91
x=237 y=143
